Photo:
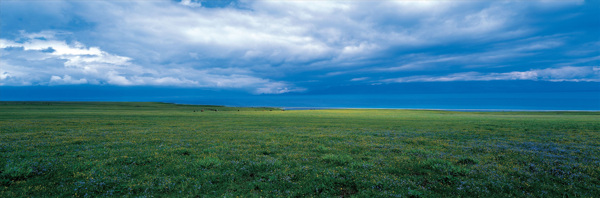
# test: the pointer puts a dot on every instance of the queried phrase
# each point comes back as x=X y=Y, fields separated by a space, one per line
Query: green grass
x=158 y=149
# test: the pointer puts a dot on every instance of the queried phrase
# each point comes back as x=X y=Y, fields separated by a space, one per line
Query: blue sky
x=284 y=47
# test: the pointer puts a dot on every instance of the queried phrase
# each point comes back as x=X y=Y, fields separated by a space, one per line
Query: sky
x=298 y=47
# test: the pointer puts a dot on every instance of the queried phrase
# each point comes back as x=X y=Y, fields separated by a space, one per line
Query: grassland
x=156 y=149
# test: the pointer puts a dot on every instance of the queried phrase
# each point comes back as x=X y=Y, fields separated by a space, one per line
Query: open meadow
x=91 y=149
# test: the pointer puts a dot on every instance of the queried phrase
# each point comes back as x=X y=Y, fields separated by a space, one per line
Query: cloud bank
x=41 y=59
x=572 y=74
x=271 y=47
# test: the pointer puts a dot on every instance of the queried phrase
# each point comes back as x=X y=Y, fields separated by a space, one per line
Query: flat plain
x=103 y=149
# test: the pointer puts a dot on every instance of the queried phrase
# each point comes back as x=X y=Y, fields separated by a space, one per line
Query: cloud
x=75 y=63
x=15 y=75
x=499 y=55
x=191 y=3
x=294 y=32
x=359 y=79
x=66 y=80
x=276 y=46
x=574 y=74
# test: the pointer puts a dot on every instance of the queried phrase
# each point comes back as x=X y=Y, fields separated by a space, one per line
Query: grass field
x=157 y=149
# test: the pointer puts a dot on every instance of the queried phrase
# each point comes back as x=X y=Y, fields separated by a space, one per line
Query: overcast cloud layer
x=292 y=46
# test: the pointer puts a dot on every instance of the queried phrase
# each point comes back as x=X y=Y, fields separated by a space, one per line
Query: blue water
x=470 y=101
x=517 y=96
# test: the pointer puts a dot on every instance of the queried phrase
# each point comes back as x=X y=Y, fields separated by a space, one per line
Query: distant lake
x=464 y=101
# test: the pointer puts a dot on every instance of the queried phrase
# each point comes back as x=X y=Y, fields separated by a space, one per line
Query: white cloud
x=191 y=3
x=297 y=36
x=58 y=48
x=359 y=79
x=488 y=57
x=66 y=80
x=276 y=88
x=17 y=75
x=569 y=73
x=170 y=43
x=76 y=63
x=294 y=32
